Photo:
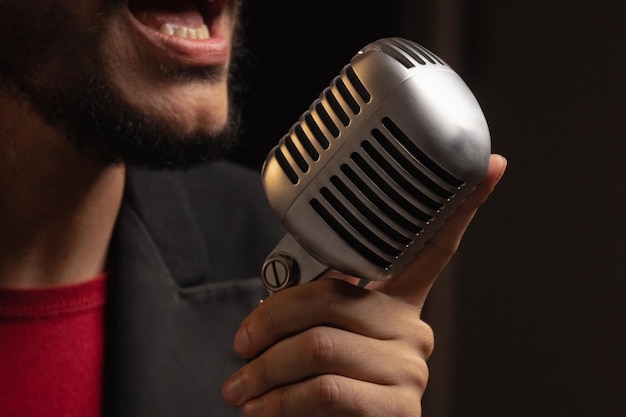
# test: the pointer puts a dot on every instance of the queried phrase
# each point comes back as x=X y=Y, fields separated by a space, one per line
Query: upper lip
x=210 y=8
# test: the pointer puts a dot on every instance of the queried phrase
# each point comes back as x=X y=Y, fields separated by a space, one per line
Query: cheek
x=46 y=45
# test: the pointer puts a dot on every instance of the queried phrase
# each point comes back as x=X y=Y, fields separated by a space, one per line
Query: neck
x=57 y=208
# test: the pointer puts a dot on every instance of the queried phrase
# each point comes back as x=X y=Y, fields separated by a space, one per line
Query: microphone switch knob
x=280 y=271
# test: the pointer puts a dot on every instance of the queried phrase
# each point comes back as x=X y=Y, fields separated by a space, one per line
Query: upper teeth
x=185 y=32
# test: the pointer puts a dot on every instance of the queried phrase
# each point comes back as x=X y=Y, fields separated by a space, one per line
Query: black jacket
x=184 y=267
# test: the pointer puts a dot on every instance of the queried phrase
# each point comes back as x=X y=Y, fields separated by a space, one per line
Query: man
x=90 y=90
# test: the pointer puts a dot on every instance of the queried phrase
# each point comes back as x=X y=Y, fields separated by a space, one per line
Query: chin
x=186 y=97
x=184 y=108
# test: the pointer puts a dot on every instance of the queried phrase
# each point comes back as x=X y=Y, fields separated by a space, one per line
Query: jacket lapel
x=168 y=348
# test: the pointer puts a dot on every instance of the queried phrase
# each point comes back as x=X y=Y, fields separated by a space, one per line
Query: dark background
x=530 y=319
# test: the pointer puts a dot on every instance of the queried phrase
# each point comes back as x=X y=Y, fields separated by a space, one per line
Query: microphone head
x=375 y=165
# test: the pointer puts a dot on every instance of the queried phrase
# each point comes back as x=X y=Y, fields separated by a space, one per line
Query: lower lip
x=214 y=51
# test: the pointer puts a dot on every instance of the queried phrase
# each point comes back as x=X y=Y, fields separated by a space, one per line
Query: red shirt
x=51 y=350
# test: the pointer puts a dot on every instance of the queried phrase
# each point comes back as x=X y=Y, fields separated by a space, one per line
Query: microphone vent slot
x=327 y=120
x=336 y=107
x=296 y=155
x=347 y=96
x=357 y=84
x=420 y=156
x=285 y=166
x=409 y=54
x=306 y=143
x=318 y=135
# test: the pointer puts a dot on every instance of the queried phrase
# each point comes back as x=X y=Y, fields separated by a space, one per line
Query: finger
x=335 y=395
x=328 y=302
x=323 y=350
x=413 y=283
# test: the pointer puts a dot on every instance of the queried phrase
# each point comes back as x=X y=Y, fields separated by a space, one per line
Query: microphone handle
x=289 y=264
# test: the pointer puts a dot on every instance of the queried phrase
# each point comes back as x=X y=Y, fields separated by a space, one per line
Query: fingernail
x=233 y=391
x=505 y=163
x=242 y=342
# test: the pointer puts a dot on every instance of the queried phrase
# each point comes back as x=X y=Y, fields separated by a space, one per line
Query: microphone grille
x=321 y=124
x=386 y=195
x=379 y=160
x=338 y=104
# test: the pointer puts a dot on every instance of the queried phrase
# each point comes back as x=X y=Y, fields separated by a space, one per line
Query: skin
x=320 y=349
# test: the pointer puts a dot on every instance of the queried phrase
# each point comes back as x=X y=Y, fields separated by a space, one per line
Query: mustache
x=230 y=5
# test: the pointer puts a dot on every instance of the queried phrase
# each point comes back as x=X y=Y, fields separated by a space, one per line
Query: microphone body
x=374 y=167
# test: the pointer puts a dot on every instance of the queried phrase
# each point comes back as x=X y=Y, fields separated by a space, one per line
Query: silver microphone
x=374 y=167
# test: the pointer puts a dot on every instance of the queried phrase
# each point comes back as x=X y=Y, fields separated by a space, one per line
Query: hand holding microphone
x=330 y=348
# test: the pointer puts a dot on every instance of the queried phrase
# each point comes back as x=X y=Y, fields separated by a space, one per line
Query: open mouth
x=198 y=20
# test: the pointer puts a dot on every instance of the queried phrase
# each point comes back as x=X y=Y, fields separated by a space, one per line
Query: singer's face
x=142 y=81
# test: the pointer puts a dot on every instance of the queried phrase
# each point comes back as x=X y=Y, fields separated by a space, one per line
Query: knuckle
x=324 y=296
x=322 y=394
x=412 y=371
x=420 y=374
x=426 y=339
x=422 y=337
x=409 y=404
x=266 y=318
x=262 y=374
x=425 y=346
x=326 y=391
x=320 y=346
x=421 y=344
x=282 y=406
x=399 y=401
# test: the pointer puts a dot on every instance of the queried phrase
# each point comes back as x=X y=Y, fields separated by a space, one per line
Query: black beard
x=93 y=116
x=102 y=126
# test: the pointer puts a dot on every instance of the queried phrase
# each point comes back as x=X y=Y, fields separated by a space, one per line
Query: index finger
x=413 y=283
